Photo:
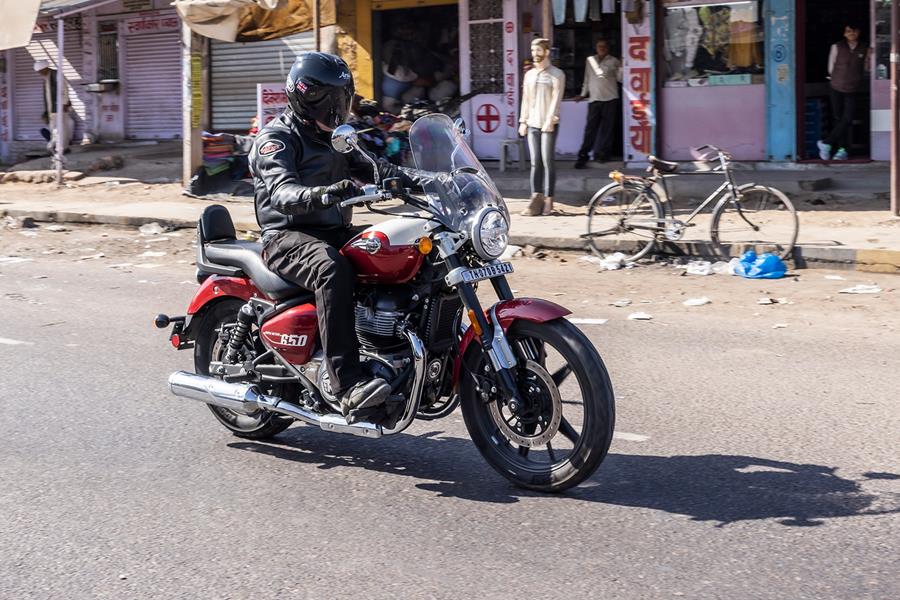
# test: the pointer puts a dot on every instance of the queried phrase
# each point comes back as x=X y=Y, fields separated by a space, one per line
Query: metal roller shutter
x=28 y=86
x=152 y=83
x=236 y=68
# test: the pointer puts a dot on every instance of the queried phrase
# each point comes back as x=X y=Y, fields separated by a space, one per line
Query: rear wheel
x=209 y=347
x=623 y=219
x=763 y=220
x=562 y=431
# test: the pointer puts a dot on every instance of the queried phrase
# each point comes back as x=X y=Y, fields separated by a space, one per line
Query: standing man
x=542 y=92
x=848 y=62
x=602 y=74
x=42 y=67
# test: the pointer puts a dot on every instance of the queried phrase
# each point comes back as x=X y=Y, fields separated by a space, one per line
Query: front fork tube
x=493 y=339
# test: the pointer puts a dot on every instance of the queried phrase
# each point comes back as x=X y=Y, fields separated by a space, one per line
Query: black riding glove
x=324 y=196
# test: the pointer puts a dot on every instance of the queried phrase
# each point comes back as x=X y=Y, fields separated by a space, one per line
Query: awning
x=20 y=16
x=253 y=20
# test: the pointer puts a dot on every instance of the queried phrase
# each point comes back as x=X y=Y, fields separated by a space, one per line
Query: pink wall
x=732 y=117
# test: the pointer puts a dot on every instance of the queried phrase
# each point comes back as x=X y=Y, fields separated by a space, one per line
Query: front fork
x=492 y=337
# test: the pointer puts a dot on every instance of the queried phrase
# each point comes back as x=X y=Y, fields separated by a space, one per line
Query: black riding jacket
x=289 y=157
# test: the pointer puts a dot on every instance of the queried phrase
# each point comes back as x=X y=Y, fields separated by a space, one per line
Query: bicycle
x=630 y=214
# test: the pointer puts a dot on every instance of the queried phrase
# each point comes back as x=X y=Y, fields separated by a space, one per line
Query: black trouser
x=312 y=260
x=600 y=129
x=843 y=107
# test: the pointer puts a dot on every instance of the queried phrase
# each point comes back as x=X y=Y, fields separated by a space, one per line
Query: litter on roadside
x=510 y=252
x=697 y=301
x=621 y=303
x=56 y=228
x=152 y=254
x=151 y=229
x=92 y=256
x=699 y=267
x=762 y=266
x=613 y=262
x=768 y=301
x=779 y=326
x=11 y=260
x=836 y=277
x=862 y=288
x=639 y=316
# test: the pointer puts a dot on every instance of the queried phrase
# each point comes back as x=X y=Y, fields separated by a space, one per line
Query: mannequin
x=542 y=92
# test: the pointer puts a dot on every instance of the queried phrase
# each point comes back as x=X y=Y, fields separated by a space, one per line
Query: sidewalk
x=842 y=227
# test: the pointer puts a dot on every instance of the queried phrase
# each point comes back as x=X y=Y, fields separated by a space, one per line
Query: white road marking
x=630 y=437
x=10 y=342
x=578 y=321
x=11 y=260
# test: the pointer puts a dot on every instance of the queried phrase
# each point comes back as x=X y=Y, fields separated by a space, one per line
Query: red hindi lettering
x=641 y=136
x=637 y=47
x=639 y=79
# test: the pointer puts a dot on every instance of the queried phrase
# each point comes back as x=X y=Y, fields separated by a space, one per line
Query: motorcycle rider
x=299 y=181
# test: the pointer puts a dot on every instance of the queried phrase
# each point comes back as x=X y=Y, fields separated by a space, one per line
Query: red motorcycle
x=535 y=395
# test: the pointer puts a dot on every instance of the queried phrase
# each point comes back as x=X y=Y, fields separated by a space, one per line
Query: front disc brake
x=540 y=397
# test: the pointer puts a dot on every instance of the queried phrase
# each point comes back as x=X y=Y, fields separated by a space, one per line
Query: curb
x=831 y=257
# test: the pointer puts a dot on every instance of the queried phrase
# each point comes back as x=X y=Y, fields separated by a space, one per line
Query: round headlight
x=491 y=234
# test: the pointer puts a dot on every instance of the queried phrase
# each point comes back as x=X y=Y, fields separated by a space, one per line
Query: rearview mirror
x=343 y=139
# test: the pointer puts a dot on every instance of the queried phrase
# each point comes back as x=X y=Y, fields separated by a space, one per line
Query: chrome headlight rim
x=477 y=242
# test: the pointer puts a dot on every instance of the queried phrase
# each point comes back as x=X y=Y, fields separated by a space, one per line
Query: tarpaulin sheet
x=253 y=20
x=18 y=23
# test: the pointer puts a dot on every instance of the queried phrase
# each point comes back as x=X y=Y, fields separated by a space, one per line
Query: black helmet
x=320 y=87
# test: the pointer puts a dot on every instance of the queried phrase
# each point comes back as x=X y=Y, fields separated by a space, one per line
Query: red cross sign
x=488 y=118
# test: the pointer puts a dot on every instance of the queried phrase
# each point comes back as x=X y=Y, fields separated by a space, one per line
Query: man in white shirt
x=602 y=74
x=42 y=67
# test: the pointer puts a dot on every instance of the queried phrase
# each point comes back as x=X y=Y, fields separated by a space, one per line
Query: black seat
x=220 y=252
x=663 y=166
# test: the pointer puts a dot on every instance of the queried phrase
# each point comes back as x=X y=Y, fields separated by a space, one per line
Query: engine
x=379 y=314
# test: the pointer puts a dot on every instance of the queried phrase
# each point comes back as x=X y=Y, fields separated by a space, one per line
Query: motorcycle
x=535 y=396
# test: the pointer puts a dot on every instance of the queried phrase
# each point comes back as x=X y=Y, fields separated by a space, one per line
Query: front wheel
x=562 y=431
x=762 y=219
x=623 y=218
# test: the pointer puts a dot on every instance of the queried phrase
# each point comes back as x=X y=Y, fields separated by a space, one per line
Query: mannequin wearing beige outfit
x=542 y=92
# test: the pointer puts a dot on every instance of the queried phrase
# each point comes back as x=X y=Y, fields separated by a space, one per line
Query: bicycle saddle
x=664 y=166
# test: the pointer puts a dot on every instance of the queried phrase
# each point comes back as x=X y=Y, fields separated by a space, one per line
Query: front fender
x=535 y=310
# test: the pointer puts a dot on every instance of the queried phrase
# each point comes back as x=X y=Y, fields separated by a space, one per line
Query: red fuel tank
x=292 y=333
x=376 y=260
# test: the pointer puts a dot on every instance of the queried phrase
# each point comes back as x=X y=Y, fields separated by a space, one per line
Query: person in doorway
x=299 y=181
x=42 y=67
x=602 y=74
x=542 y=92
x=848 y=62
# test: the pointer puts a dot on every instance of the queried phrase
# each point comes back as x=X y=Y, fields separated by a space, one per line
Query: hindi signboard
x=271 y=100
x=638 y=87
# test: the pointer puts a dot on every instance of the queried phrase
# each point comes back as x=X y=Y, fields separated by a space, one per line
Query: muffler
x=245 y=398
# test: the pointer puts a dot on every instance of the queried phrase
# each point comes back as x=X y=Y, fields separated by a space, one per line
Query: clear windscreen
x=461 y=187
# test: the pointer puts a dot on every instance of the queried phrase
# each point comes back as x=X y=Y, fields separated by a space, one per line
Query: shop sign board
x=151 y=23
x=4 y=112
x=271 y=101
x=639 y=115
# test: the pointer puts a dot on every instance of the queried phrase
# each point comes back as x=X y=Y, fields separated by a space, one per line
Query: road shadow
x=718 y=488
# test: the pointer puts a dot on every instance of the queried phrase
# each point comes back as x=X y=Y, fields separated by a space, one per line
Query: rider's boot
x=364 y=394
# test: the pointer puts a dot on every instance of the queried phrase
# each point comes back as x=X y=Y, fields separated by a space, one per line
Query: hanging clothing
x=559 y=11
x=743 y=51
x=716 y=29
x=581 y=7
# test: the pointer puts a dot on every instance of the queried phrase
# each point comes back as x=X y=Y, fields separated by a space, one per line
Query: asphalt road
x=751 y=461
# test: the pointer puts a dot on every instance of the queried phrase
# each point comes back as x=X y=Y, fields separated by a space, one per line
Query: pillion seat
x=220 y=252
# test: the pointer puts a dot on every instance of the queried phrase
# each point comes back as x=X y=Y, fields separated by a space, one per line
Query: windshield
x=461 y=188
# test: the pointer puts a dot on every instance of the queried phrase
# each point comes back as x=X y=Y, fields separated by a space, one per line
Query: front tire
x=623 y=218
x=209 y=347
x=547 y=354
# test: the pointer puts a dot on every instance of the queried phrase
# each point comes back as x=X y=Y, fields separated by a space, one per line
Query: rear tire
x=768 y=210
x=526 y=467
x=207 y=348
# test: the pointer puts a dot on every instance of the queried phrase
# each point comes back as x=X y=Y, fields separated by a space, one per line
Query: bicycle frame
x=727 y=186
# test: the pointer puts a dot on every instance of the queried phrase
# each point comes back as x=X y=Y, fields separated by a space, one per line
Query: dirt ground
x=804 y=299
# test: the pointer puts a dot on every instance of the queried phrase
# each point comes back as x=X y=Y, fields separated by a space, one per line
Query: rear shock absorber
x=240 y=332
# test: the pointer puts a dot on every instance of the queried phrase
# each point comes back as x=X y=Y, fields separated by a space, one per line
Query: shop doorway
x=415 y=55
x=822 y=24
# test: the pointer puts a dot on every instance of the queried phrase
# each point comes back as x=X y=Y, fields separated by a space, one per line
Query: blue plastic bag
x=763 y=266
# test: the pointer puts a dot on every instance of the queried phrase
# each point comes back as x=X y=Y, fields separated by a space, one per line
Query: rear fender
x=508 y=312
x=214 y=289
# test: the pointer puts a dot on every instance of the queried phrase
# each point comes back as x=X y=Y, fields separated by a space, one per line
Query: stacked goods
x=218 y=152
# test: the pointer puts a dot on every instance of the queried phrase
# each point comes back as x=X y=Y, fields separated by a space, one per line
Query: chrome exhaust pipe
x=245 y=399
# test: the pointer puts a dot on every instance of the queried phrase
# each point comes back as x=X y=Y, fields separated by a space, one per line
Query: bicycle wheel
x=623 y=219
x=763 y=220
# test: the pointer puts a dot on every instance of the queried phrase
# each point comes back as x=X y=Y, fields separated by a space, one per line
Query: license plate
x=487 y=272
